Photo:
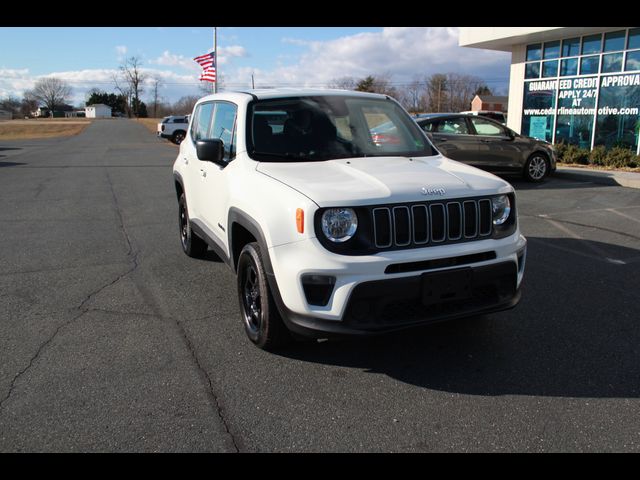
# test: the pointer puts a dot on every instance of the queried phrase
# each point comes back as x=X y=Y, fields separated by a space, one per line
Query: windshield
x=330 y=127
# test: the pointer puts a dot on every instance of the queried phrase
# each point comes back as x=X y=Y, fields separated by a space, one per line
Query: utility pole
x=215 y=58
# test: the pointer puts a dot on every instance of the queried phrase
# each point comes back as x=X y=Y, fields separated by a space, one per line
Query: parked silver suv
x=489 y=145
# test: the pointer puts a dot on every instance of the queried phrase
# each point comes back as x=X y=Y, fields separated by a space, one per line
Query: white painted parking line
x=600 y=254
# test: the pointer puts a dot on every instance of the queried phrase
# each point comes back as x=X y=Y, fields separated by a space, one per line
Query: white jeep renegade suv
x=339 y=217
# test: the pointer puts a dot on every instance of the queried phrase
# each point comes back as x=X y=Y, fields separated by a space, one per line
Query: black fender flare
x=253 y=227
x=177 y=178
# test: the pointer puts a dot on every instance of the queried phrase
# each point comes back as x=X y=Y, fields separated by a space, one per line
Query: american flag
x=208 y=64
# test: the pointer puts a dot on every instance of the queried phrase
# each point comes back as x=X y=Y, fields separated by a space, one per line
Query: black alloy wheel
x=260 y=316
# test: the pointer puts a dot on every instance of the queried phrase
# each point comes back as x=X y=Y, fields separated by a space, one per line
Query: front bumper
x=367 y=300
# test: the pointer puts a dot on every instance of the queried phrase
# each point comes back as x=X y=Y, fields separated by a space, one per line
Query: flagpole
x=215 y=58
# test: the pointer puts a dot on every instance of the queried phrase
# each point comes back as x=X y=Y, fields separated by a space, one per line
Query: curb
x=622 y=179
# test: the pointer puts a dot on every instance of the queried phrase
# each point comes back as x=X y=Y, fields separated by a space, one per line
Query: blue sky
x=277 y=56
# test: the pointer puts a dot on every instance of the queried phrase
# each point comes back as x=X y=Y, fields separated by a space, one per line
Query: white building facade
x=98 y=110
x=577 y=85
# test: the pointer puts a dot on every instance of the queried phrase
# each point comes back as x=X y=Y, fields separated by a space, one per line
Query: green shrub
x=615 y=157
x=598 y=156
x=573 y=154
x=621 y=157
x=560 y=149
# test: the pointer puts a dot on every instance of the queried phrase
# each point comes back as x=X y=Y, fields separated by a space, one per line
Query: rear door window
x=452 y=126
x=485 y=127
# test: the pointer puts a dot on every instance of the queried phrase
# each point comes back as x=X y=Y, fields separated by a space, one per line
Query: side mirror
x=511 y=134
x=211 y=151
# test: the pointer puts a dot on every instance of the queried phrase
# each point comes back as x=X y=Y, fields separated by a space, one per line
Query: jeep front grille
x=433 y=223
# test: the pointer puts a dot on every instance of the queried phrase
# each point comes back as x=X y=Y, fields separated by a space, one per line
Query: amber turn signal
x=300 y=220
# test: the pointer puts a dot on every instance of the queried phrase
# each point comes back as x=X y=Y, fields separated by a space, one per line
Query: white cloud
x=169 y=59
x=121 y=52
x=226 y=53
x=225 y=56
x=401 y=52
x=14 y=82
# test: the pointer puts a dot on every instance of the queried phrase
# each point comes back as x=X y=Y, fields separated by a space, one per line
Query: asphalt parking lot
x=111 y=339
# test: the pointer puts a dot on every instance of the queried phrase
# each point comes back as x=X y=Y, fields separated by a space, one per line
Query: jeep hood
x=377 y=180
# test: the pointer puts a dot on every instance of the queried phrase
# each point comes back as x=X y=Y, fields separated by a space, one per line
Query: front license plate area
x=446 y=286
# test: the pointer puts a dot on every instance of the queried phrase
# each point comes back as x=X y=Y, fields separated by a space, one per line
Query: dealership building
x=577 y=85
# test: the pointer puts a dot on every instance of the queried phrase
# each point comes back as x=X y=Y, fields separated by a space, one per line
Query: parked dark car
x=488 y=145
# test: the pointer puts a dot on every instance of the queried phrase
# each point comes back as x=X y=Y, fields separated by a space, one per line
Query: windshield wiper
x=286 y=155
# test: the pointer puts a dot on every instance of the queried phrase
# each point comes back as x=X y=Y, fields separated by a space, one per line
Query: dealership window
x=591 y=44
x=551 y=50
x=576 y=104
x=532 y=70
x=634 y=39
x=571 y=47
x=539 y=108
x=633 y=61
x=583 y=90
x=618 y=120
x=550 y=69
x=614 y=41
x=568 y=66
x=612 y=62
x=589 y=65
x=534 y=52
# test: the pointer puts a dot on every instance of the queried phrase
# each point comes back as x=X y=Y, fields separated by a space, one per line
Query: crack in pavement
x=133 y=259
x=211 y=391
x=83 y=308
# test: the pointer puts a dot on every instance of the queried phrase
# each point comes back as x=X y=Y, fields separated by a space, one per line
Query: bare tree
x=125 y=90
x=50 y=92
x=28 y=104
x=343 y=83
x=185 y=105
x=129 y=82
x=11 y=104
x=413 y=96
x=462 y=89
x=438 y=92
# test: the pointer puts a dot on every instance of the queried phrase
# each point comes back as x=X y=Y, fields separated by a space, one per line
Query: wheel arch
x=243 y=229
x=178 y=184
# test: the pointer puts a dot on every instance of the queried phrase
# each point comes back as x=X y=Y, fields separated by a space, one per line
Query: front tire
x=536 y=168
x=260 y=317
x=192 y=245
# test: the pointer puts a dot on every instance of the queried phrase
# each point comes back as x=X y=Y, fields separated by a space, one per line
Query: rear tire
x=536 y=168
x=192 y=245
x=260 y=316
x=178 y=137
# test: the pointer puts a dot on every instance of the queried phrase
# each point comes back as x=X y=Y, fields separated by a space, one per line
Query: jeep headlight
x=500 y=209
x=339 y=224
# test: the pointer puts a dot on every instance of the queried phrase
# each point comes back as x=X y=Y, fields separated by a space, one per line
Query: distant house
x=489 y=102
x=75 y=114
x=98 y=110
x=60 y=111
x=41 y=112
x=5 y=115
